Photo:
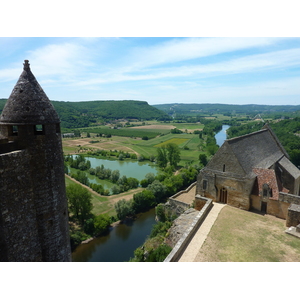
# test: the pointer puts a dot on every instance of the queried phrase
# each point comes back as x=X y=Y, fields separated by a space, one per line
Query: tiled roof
x=268 y=176
x=259 y=149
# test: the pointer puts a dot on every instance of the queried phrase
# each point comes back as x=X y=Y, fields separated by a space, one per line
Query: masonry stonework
x=252 y=172
x=33 y=204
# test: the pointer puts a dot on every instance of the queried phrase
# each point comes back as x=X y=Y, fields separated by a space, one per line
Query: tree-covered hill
x=226 y=109
x=85 y=113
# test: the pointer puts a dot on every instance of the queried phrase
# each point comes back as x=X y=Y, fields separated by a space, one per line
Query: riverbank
x=119 y=243
x=104 y=204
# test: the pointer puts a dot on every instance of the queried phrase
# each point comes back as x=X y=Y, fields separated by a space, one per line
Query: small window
x=39 y=129
x=12 y=130
x=15 y=130
x=265 y=190
x=224 y=168
x=204 y=184
x=57 y=128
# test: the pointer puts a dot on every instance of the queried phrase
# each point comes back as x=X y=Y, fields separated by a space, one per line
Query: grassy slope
x=243 y=236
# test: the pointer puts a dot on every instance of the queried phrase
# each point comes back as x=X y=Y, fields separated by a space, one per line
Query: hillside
x=226 y=109
x=85 y=113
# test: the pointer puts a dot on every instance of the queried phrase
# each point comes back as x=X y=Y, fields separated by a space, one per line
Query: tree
x=101 y=223
x=203 y=159
x=133 y=183
x=161 y=158
x=157 y=189
x=173 y=154
x=143 y=201
x=123 y=209
x=80 y=202
x=115 y=189
x=150 y=177
x=115 y=175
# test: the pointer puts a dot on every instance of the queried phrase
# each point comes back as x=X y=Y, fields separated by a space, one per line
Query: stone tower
x=33 y=204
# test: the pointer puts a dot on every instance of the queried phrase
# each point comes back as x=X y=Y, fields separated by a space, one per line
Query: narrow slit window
x=57 y=128
x=204 y=185
x=13 y=130
x=39 y=129
x=224 y=168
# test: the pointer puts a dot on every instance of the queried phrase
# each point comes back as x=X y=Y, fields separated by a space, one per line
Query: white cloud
x=190 y=48
x=246 y=64
x=66 y=60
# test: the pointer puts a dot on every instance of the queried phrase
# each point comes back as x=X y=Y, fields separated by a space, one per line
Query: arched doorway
x=223 y=195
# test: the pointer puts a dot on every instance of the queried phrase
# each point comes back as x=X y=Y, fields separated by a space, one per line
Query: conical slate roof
x=28 y=103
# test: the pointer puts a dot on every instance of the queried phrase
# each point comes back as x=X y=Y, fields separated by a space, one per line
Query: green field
x=176 y=141
x=190 y=145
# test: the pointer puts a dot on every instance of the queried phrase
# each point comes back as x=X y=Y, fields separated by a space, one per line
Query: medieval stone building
x=33 y=204
x=252 y=172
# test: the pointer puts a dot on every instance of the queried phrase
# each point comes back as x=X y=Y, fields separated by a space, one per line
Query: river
x=119 y=244
x=221 y=136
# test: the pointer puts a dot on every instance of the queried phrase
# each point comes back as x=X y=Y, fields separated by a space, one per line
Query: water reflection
x=119 y=244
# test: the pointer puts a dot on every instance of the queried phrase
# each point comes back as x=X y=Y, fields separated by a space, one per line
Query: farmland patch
x=176 y=141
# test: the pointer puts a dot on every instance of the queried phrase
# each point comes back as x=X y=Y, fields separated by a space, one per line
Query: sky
x=157 y=70
x=198 y=60
x=159 y=51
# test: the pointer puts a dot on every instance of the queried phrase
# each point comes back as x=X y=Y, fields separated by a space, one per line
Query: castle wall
x=33 y=203
x=285 y=200
x=33 y=198
x=238 y=189
x=277 y=208
x=256 y=202
x=46 y=158
x=19 y=235
x=293 y=218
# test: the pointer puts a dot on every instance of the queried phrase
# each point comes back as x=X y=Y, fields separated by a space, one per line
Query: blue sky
x=157 y=70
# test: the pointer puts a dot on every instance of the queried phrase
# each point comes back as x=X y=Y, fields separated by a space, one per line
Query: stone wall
x=177 y=207
x=293 y=218
x=289 y=198
x=255 y=202
x=183 y=242
x=19 y=233
x=238 y=188
x=33 y=204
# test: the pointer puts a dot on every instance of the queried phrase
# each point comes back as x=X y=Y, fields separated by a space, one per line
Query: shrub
x=101 y=223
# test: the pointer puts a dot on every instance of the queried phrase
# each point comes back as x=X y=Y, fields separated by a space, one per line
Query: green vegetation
x=88 y=113
x=141 y=133
x=229 y=110
x=80 y=204
x=122 y=184
x=155 y=249
x=190 y=133
x=176 y=141
x=261 y=238
x=83 y=223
